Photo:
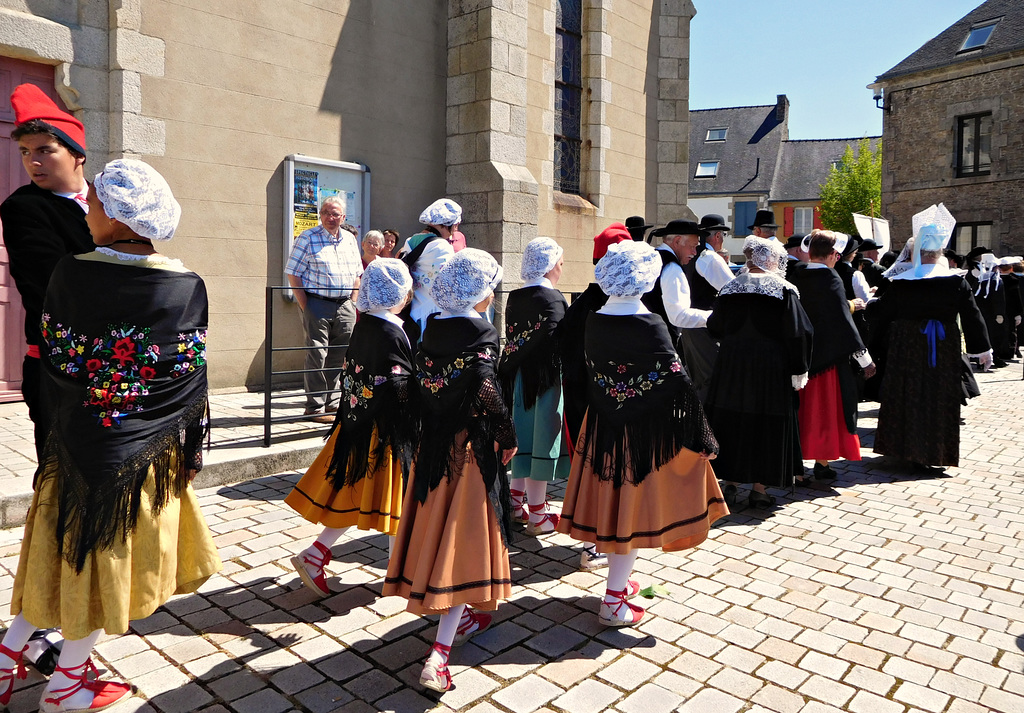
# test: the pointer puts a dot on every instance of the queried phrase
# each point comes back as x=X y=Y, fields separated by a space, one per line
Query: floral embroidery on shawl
x=624 y=384
x=515 y=342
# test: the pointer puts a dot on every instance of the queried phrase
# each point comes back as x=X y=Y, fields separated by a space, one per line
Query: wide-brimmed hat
x=637 y=227
x=712 y=222
x=680 y=227
x=867 y=245
x=977 y=252
x=764 y=219
x=852 y=245
x=794 y=241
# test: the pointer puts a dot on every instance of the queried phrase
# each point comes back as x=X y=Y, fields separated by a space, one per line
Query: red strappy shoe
x=471 y=623
x=547 y=523
x=105 y=693
x=519 y=512
x=7 y=675
x=619 y=612
x=436 y=676
x=317 y=582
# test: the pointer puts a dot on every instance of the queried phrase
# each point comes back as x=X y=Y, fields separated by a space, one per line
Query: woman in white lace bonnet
x=758 y=319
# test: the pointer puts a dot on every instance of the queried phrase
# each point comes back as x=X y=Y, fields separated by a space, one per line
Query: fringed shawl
x=643 y=409
x=125 y=363
x=375 y=396
x=461 y=403
x=532 y=315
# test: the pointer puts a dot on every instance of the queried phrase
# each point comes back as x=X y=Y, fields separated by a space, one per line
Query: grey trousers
x=327 y=324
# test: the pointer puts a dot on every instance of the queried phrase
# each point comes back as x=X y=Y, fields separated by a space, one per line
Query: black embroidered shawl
x=125 y=362
x=643 y=409
x=532 y=315
x=375 y=394
x=460 y=402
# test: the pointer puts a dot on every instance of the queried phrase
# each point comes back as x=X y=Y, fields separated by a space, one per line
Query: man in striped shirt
x=323 y=270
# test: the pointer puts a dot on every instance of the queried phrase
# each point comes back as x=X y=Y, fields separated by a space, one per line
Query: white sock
x=330 y=535
x=517 y=484
x=446 y=629
x=619 y=569
x=537 y=495
x=16 y=638
x=73 y=656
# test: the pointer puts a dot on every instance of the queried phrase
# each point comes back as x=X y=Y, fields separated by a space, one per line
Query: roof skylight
x=978 y=36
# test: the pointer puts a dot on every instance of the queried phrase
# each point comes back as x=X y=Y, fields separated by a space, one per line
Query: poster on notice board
x=308 y=182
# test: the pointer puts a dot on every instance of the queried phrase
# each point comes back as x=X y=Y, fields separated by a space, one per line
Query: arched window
x=568 y=94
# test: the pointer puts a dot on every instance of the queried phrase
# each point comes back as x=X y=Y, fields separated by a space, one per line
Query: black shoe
x=824 y=472
x=812 y=484
x=998 y=363
x=761 y=501
x=729 y=492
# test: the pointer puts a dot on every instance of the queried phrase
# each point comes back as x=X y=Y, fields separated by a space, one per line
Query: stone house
x=542 y=117
x=953 y=129
x=742 y=160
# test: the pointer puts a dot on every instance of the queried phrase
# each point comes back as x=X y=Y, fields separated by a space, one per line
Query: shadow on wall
x=651 y=92
x=388 y=82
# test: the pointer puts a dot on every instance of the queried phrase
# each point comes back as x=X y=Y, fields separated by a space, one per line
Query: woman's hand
x=506 y=455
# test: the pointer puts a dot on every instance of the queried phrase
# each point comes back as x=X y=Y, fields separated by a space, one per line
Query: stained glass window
x=568 y=94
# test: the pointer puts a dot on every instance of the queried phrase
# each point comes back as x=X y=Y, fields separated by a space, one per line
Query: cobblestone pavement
x=892 y=593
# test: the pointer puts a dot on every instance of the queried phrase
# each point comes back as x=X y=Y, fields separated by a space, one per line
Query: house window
x=707 y=169
x=978 y=37
x=717 y=134
x=836 y=164
x=974 y=144
x=568 y=94
x=803 y=220
x=971 y=235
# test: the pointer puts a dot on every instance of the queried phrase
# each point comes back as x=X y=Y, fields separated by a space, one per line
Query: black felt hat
x=764 y=219
x=867 y=245
x=637 y=227
x=852 y=245
x=977 y=252
x=794 y=241
x=712 y=222
x=680 y=227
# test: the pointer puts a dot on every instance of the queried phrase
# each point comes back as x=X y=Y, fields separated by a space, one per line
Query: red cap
x=614 y=233
x=30 y=102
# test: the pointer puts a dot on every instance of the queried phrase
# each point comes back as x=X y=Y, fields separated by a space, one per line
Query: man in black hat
x=764 y=225
x=869 y=260
x=795 y=254
x=637 y=227
x=706 y=275
x=671 y=294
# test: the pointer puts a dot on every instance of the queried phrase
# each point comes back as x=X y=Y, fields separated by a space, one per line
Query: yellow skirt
x=374 y=503
x=449 y=549
x=170 y=553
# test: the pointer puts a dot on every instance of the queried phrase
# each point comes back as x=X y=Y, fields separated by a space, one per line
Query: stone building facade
x=437 y=97
x=953 y=130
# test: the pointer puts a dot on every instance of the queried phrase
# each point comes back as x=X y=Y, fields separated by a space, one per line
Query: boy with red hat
x=44 y=220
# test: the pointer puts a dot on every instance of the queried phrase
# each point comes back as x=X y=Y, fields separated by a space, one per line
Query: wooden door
x=12 y=317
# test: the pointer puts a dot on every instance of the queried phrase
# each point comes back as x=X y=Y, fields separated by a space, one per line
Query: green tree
x=854 y=186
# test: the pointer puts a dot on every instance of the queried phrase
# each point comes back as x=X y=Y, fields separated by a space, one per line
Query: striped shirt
x=327 y=266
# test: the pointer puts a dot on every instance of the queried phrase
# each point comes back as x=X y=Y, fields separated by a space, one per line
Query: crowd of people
x=666 y=385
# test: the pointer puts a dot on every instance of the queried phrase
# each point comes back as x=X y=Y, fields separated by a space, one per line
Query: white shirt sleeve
x=675 y=293
x=861 y=288
x=712 y=267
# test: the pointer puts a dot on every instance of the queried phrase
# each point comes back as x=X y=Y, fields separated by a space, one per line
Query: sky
x=821 y=54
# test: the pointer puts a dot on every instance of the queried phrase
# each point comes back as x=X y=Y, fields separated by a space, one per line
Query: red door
x=12 y=317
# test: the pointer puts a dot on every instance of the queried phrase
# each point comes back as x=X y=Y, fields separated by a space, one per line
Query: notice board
x=308 y=181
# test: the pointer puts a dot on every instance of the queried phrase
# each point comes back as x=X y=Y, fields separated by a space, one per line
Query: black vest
x=702 y=292
x=653 y=300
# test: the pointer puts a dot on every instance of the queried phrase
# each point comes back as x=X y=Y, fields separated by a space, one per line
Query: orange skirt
x=374 y=503
x=425 y=567
x=673 y=508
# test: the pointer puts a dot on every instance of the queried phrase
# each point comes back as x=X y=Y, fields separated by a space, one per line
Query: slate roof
x=755 y=132
x=804 y=166
x=941 y=51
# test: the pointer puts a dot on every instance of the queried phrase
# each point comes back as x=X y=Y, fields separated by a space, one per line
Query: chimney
x=781 y=108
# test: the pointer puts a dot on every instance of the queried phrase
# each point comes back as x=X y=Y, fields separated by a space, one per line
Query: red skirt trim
x=823 y=432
